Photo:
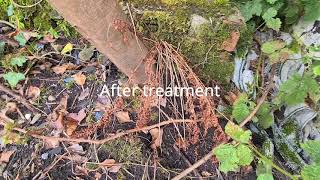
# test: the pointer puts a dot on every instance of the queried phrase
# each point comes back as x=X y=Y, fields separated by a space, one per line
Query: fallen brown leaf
x=78 y=116
x=84 y=94
x=33 y=93
x=156 y=134
x=79 y=78
x=231 y=43
x=5 y=156
x=108 y=163
x=123 y=116
x=61 y=69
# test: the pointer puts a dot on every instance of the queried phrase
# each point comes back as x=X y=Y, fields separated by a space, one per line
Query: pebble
x=44 y=156
x=51 y=98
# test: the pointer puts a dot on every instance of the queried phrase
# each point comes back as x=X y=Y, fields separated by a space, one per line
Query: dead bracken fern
x=167 y=68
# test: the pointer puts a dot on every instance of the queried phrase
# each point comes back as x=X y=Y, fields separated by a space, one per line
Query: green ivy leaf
x=310 y=172
x=227 y=156
x=265 y=177
x=237 y=133
x=21 y=39
x=18 y=61
x=13 y=78
x=272 y=46
x=245 y=155
x=10 y=10
x=312 y=147
x=265 y=118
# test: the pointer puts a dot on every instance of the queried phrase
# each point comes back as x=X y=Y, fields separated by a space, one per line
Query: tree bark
x=95 y=20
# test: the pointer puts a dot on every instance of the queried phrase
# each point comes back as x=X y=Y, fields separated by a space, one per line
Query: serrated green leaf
x=245 y=155
x=21 y=39
x=237 y=133
x=311 y=10
x=265 y=118
x=265 y=177
x=227 y=156
x=297 y=88
x=241 y=108
x=13 y=78
x=312 y=147
x=316 y=70
x=18 y=61
x=310 y=172
x=10 y=10
x=272 y=46
x=251 y=8
x=274 y=23
x=67 y=48
x=269 y=14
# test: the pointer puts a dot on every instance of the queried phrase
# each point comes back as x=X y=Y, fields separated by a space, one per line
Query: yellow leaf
x=67 y=48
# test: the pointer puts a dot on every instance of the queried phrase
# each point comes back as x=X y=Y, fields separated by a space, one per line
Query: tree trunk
x=104 y=24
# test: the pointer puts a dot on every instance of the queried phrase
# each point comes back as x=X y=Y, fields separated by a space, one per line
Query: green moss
x=124 y=151
x=41 y=18
x=203 y=47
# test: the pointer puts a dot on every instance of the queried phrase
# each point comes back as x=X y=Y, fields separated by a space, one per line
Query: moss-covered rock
x=40 y=17
x=172 y=21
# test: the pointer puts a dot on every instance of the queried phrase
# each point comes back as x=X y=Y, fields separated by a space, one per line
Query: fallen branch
x=102 y=141
x=18 y=98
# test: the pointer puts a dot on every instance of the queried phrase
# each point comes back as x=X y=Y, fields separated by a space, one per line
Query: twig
x=194 y=166
x=256 y=109
x=18 y=98
x=25 y=6
x=8 y=23
x=195 y=171
x=102 y=141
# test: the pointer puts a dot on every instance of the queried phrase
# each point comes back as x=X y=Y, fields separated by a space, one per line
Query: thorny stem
x=261 y=156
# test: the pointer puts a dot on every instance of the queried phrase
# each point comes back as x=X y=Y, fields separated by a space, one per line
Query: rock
x=196 y=22
x=308 y=32
x=44 y=156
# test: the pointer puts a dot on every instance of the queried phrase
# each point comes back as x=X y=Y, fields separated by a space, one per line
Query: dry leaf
x=156 y=134
x=5 y=156
x=70 y=126
x=76 y=148
x=231 y=43
x=61 y=69
x=33 y=92
x=108 y=163
x=79 y=78
x=85 y=93
x=57 y=116
x=123 y=116
x=78 y=116
x=52 y=143
x=115 y=168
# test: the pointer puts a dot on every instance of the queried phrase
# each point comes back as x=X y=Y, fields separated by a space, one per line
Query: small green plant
x=312 y=172
x=297 y=89
x=271 y=11
x=13 y=77
x=276 y=51
x=233 y=156
x=242 y=107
